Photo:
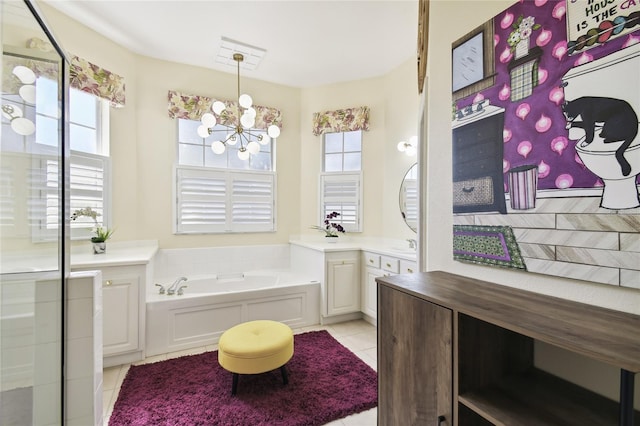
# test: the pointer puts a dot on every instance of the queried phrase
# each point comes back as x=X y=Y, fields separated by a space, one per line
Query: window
x=340 y=182
x=89 y=166
x=217 y=193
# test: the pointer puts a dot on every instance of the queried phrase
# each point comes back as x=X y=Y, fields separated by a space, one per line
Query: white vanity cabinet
x=379 y=265
x=342 y=277
x=121 y=300
x=123 y=312
x=125 y=274
x=337 y=268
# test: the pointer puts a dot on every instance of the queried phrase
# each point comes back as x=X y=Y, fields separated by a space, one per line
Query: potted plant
x=102 y=234
x=330 y=229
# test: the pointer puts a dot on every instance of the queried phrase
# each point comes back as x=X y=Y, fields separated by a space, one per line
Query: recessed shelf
x=536 y=398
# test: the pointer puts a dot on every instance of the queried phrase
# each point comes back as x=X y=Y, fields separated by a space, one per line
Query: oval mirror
x=409 y=198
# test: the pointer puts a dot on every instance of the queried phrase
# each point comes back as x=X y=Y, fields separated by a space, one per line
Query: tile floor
x=358 y=336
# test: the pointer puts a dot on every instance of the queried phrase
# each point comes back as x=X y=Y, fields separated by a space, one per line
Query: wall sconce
x=410 y=148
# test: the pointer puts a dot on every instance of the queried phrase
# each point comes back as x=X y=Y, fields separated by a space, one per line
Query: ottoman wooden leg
x=285 y=376
x=234 y=385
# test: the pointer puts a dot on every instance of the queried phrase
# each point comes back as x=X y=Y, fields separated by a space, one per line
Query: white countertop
x=120 y=254
x=399 y=249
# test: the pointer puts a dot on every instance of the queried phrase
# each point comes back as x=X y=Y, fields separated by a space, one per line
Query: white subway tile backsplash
x=524 y=220
x=575 y=271
x=603 y=240
x=538 y=251
x=629 y=278
x=599 y=222
x=608 y=258
x=630 y=242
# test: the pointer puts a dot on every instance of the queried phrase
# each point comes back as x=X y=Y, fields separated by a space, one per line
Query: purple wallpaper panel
x=535 y=131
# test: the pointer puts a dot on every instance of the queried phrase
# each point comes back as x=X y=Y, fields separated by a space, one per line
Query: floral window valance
x=341 y=120
x=191 y=107
x=83 y=74
x=93 y=79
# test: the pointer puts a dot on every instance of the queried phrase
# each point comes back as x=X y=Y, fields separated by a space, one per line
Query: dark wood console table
x=454 y=350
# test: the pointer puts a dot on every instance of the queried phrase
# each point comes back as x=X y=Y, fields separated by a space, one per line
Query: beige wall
x=143 y=141
x=393 y=100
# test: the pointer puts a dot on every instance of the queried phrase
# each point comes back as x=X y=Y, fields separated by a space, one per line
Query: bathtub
x=212 y=304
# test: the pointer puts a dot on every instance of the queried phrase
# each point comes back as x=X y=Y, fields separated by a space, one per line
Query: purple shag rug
x=326 y=382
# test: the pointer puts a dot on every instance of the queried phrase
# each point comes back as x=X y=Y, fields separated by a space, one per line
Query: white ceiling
x=308 y=43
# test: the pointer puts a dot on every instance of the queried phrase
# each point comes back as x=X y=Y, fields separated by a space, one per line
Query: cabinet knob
x=388 y=265
x=108 y=282
x=441 y=420
x=370 y=260
x=409 y=270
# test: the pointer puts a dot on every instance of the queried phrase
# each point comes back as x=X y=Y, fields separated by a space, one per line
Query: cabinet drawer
x=390 y=264
x=372 y=260
x=408 y=267
x=473 y=192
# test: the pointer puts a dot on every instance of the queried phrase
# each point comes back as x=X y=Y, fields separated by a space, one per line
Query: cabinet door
x=343 y=294
x=370 y=291
x=120 y=313
x=414 y=360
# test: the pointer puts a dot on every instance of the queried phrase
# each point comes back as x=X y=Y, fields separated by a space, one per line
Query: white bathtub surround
x=207 y=261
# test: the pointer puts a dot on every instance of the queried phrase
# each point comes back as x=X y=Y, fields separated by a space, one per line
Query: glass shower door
x=33 y=265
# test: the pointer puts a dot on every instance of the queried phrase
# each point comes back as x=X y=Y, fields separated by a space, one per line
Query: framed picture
x=472 y=62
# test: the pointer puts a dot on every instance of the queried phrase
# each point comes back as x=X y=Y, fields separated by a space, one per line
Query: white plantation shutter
x=215 y=201
x=342 y=192
x=88 y=181
x=7 y=199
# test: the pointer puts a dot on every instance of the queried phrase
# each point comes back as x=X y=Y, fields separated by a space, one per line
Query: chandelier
x=238 y=129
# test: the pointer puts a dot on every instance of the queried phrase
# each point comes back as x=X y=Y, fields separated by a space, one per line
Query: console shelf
x=456 y=351
x=537 y=398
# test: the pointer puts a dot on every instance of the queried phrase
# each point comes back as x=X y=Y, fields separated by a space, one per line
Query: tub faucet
x=172 y=289
x=412 y=243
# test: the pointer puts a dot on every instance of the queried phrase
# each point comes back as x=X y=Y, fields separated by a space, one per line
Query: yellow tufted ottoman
x=255 y=347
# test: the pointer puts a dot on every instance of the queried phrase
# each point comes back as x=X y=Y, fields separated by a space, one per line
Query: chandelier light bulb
x=247 y=121
x=218 y=107
x=264 y=139
x=253 y=147
x=245 y=101
x=411 y=150
x=209 y=120
x=231 y=140
x=273 y=131
x=251 y=112
x=23 y=126
x=243 y=154
x=24 y=74
x=203 y=131
x=28 y=93
x=218 y=147
x=402 y=146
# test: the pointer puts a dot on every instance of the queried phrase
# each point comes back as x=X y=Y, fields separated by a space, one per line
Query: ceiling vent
x=252 y=55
